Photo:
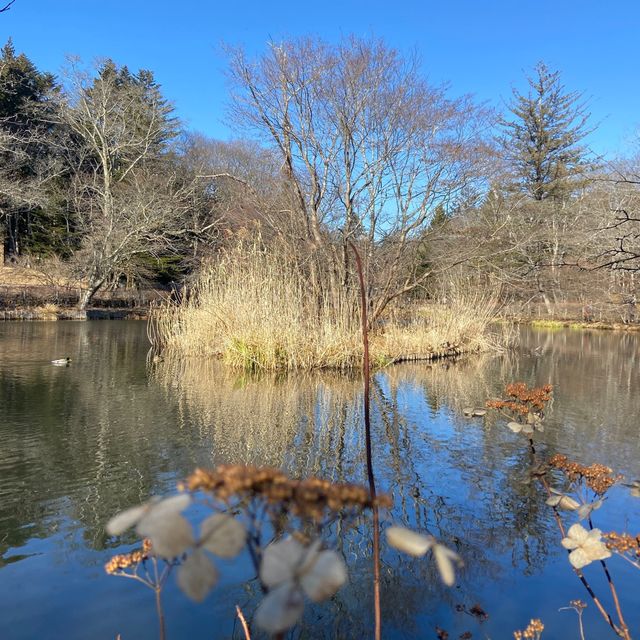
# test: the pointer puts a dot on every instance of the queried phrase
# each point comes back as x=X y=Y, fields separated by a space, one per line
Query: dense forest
x=337 y=143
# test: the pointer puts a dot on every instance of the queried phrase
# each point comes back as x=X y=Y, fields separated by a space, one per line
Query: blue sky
x=483 y=47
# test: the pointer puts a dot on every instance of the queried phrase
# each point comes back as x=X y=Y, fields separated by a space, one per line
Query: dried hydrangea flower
x=161 y=522
x=586 y=546
x=417 y=544
x=562 y=501
x=222 y=535
x=290 y=571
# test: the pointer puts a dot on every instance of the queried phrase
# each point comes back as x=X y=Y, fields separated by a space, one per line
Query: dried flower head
x=597 y=477
x=624 y=544
x=291 y=571
x=534 y=630
x=119 y=563
x=525 y=405
x=312 y=497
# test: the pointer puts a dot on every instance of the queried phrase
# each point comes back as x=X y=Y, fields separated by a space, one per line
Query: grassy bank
x=573 y=324
x=257 y=311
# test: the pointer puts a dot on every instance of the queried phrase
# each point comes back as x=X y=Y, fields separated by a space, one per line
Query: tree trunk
x=87 y=294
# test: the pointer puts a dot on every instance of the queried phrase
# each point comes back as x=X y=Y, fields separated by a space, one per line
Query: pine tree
x=542 y=140
x=25 y=151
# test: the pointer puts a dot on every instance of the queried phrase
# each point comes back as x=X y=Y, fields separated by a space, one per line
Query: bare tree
x=368 y=149
x=127 y=199
x=620 y=225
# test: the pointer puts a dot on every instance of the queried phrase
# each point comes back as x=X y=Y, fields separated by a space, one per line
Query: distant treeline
x=341 y=143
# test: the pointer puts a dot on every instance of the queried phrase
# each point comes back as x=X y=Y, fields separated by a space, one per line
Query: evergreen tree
x=542 y=140
x=26 y=110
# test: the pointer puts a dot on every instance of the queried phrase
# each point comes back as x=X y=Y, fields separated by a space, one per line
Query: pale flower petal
x=280 y=609
x=170 y=534
x=280 y=561
x=152 y=508
x=577 y=533
x=126 y=519
x=579 y=558
x=411 y=542
x=174 y=504
x=585 y=509
x=567 y=503
x=309 y=558
x=326 y=576
x=516 y=427
x=553 y=501
x=444 y=561
x=223 y=535
x=197 y=575
x=587 y=546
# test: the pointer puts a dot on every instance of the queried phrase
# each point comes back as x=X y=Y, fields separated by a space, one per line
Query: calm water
x=79 y=443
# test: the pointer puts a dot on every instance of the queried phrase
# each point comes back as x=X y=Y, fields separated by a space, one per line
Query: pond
x=80 y=443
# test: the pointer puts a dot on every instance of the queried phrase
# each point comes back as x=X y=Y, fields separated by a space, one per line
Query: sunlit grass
x=253 y=309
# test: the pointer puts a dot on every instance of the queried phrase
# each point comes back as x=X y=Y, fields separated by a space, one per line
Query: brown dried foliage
x=124 y=561
x=597 y=477
x=311 y=497
x=521 y=400
x=623 y=543
x=533 y=630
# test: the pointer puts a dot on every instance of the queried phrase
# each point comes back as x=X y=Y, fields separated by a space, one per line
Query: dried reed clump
x=258 y=309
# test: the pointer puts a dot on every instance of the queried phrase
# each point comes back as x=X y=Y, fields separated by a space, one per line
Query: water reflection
x=81 y=442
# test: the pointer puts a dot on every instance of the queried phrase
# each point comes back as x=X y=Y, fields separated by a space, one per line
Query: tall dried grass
x=256 y=309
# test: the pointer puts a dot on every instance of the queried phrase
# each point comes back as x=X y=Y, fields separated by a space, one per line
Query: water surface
x=79 y=443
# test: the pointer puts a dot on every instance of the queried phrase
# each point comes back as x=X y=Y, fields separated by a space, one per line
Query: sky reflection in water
x=81 y=442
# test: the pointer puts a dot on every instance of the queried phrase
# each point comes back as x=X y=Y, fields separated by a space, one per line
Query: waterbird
x=61 y=361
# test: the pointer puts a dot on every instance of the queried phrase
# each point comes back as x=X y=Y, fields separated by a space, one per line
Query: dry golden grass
x=47 y=311
x=255 y=310
x=258 y=312
x=51 y=271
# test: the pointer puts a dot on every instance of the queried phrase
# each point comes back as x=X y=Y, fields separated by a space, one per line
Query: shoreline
x=578 y=325
x=47 y=315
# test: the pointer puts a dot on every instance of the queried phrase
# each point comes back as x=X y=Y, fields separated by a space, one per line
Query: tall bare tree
x=127 y=200
x=368 y=150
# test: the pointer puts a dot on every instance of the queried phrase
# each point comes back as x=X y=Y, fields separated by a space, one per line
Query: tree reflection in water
x=84 y=442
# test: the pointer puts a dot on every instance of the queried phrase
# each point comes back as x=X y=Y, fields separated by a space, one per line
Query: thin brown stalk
x=158 y=591
x=160 y=612
x=366 y=373
x=614 y=594
x=243 y=622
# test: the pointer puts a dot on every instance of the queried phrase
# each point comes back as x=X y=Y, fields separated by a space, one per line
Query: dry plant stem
x=158 y=584
x=614 y=593
x=367 y=427
x=243 y=622
x=623 y=633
